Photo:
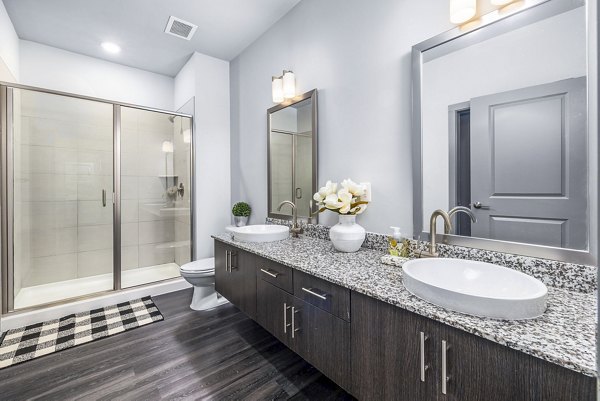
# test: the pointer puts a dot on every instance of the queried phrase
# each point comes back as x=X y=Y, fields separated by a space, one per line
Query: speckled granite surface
x=570 y=276
x=564 y=335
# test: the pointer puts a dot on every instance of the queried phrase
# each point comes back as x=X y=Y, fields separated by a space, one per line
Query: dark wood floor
x=214 y=355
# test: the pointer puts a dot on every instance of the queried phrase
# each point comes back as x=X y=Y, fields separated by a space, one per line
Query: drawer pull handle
x=311 y=291
x=285 y=324
x=274 y=275
x=445 y=377
x=226 y=260
x=422 y=356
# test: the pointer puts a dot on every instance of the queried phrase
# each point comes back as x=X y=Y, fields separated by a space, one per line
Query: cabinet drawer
x=276 y=274
x=325 y=295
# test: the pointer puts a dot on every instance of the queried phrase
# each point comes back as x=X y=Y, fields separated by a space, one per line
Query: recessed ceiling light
x=111 y=47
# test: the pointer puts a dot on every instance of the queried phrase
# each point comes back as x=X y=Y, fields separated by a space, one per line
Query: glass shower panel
x=61 y=205
x=155 y=195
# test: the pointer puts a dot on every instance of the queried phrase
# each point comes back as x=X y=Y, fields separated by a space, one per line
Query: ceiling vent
x=180 y=28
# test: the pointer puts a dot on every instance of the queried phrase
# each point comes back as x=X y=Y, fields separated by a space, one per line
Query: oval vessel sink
x=259 y=233
x=476 y=288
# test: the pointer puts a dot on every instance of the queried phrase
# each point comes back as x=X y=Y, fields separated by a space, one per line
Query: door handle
x=285 y=323
x=294 y=329
x=104 y=198
x=445 y=377
x=478 y=205
x=422 y=356
x=226 y=260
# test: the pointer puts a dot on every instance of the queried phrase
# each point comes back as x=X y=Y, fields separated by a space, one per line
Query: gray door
x=529 y=165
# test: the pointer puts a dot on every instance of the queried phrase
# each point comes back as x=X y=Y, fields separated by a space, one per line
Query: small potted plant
x=241 y=212
x=351 y=200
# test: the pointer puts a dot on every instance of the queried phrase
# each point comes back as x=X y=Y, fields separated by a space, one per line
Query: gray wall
x=357 y=53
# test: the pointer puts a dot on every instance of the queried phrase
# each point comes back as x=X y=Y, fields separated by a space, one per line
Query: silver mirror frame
x=315 y=160
x=491 y=25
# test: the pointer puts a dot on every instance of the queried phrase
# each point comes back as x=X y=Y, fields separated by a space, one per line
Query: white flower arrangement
x=350 y=199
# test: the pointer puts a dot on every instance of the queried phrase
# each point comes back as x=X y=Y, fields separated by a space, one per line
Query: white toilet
x=201 y=274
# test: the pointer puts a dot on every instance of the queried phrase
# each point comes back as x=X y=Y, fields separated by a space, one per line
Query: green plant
x=241 y=209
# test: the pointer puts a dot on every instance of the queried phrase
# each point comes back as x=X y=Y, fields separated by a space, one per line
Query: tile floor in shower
x=46 y=293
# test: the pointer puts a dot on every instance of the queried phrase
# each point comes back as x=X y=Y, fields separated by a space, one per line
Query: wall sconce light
x=277 y=89
x=463 y=10
x=289 y=84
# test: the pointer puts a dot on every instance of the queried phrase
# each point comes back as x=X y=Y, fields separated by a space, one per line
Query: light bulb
x=462 y=10
x=277 y=89
x=111 y=47
x=289 y=84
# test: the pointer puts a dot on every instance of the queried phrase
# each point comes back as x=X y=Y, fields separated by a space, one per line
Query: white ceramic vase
x=347 y=236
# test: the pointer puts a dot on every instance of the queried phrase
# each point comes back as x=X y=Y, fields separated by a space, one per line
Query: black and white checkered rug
x=25 y=343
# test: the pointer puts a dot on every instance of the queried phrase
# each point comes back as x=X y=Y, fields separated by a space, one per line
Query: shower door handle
x=104 y=198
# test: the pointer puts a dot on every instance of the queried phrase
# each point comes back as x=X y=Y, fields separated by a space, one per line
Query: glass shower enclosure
x=95 y=196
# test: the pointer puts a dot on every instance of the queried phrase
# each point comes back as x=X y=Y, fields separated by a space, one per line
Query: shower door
x=155 y=166
x=96 y=196
x=58 y=195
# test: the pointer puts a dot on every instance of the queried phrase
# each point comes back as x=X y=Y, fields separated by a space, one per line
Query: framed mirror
x=292 y=155
x=504 y=124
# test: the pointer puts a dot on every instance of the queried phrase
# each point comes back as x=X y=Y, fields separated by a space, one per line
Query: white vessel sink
x=260 y=233
x=476 y=288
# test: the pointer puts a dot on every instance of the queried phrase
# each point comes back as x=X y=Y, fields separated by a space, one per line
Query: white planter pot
x=240 y=221
x=347 y=236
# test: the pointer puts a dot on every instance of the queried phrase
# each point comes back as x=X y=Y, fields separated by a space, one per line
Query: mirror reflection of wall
x=291 y=139
x=505 y=133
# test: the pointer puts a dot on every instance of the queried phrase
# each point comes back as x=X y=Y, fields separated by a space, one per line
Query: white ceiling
x=225 y=27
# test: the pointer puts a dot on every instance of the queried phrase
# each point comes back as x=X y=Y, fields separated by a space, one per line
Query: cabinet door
x=244 y=272
x=481 y=370
x=386 y=352
x=273 y=310
x=224 y=280
x=323 y=340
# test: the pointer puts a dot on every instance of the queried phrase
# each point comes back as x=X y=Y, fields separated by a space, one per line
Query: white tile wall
x=92 y=263
x=93 y=238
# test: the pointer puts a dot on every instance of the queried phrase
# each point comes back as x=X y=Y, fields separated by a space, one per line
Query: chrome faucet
x=446 y=216
x=296 y=230
x=462 y=209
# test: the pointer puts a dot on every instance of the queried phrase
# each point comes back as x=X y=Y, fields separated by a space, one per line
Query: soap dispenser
x=395 y=241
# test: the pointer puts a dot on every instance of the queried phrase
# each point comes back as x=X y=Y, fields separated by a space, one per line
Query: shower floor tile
x=46 y=293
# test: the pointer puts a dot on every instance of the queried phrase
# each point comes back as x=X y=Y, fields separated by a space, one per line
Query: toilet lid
x=201 y=265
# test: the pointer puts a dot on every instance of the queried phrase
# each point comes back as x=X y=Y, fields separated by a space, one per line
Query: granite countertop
x=564 y=335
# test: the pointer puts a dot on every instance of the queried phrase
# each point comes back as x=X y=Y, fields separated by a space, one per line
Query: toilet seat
x=199 y=267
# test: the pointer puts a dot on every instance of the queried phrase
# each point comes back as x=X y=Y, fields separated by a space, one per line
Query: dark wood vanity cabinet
x=378 y=351
x=386 y=340
x=386 y=353
x=235 y=277
x=318 y=336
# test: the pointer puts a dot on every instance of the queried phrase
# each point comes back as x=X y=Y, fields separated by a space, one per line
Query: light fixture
x=462 y=10
x=111 y=47
x=501 y=2
x=277 y=89
x=187 y=136
x=289 y=84
x=167 y=147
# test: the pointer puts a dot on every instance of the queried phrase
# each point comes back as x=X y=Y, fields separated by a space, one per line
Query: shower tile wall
x=62 y=161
